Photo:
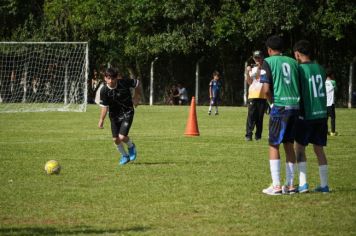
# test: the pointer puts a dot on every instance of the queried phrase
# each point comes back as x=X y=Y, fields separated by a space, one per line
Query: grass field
x=206 y=185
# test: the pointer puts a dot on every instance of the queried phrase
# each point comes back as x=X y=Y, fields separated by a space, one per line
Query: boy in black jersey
x=116 y=98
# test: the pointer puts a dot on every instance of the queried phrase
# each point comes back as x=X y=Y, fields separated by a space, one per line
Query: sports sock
x=216 y=109
x=275 y=166
x=290 y=173
x=323 y=172
x=210 y=108
x=129 y=143
x=121 y=149
x=302 y=166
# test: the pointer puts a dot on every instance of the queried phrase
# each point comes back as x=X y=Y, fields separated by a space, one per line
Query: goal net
x=43 y=76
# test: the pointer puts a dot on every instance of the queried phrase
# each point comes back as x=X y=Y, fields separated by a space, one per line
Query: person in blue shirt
x=215 y=87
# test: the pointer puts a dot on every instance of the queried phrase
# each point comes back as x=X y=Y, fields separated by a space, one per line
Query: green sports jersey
x=312 y=79
x=284 y=72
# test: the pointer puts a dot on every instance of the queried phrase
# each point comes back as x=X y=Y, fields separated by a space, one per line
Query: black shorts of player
x=282 y=125
x=311 y=131
x=121 y=124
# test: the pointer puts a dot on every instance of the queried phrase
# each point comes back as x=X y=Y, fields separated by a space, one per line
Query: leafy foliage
x=133 y=32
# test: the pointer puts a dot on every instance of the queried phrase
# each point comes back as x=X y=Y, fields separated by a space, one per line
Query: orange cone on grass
x=192 y=123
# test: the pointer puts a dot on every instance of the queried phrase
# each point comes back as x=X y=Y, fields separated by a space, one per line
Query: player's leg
x=276 y=133
x=275 y=169
x=123 y=135
x=216 y=102
x=250 y=120
x=332 y=120
x=302 y=167
x=210 y=105
x=290 y=162
x=319 y=141
x=261 y=107
x=323 y=169
x=115 y=129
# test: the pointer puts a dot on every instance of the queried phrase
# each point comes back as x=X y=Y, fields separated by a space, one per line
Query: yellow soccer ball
x=52 y=167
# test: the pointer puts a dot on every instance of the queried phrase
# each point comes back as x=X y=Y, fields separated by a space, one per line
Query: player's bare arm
x=247 y=73
x=103 y=113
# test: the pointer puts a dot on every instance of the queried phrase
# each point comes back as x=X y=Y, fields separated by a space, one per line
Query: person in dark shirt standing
x=116 y=98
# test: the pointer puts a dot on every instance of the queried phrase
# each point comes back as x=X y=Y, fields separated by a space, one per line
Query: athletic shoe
x=333 y=134
x=289 y=189
x=209 y=113
x=132 y=152
x=124 y=160
x=273 y=190
x=322 y=189
x=216 y=113
x=248 y=139
x=304 y=188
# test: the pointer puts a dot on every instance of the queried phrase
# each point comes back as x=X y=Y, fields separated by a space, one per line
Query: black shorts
x=121 y=124
x=311 y=131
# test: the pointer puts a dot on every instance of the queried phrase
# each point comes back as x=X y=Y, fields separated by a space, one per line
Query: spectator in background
x=257 y=100
x=183 y=95
x=174 y=95
x=331 y=88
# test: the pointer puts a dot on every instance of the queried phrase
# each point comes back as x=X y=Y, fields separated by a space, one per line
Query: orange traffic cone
x=192 y=123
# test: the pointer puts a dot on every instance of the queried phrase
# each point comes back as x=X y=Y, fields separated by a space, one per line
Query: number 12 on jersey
x=317 y=84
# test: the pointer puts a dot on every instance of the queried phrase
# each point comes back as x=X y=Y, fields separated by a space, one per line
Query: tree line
x=219 y=34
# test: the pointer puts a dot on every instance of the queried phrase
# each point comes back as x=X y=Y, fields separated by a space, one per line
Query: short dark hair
x=329 y=72
x=111 y=72
x=275 y=43
x=304 y=47
x=216 y=73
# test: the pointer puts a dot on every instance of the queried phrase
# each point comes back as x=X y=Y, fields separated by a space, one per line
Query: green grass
x=206 y=185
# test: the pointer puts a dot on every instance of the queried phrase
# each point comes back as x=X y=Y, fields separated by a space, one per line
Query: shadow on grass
x=18 y=231
x=155 y=163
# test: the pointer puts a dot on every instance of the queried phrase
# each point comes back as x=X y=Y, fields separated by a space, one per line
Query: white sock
x=210 y=108
x=290 y=173
x=216 y=109
x=323 y=172
x=129 y=143
x=275 y=166
x=121 y=149
x=302 y=166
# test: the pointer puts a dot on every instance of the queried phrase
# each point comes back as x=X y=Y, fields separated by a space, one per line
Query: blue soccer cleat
x=124 y=160
x=132 y=152
x=304 y=188
x=320 y=189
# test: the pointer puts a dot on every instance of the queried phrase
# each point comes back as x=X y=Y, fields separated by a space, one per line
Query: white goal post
x=43 y=76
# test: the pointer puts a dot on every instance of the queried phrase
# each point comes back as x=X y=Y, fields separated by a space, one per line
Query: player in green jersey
x=311 y=126
x=281 y=87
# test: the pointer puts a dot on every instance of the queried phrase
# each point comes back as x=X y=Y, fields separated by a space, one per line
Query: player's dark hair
x=111 y=72
x=329 y=72
x=303 y=47
x=216 y=73
x=275 y=43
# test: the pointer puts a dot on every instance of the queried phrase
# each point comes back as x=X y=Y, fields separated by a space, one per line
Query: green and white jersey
x=282 y=75
x=330 y=92
x=312 y=80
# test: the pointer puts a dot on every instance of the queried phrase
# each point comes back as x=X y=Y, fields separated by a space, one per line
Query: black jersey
x=119 y=99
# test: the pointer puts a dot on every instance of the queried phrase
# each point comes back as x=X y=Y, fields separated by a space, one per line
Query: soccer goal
x=43 y=76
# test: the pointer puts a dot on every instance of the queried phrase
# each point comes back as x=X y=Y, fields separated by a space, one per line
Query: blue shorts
x=282 y=125
x=215 y=101
x=311 y=131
